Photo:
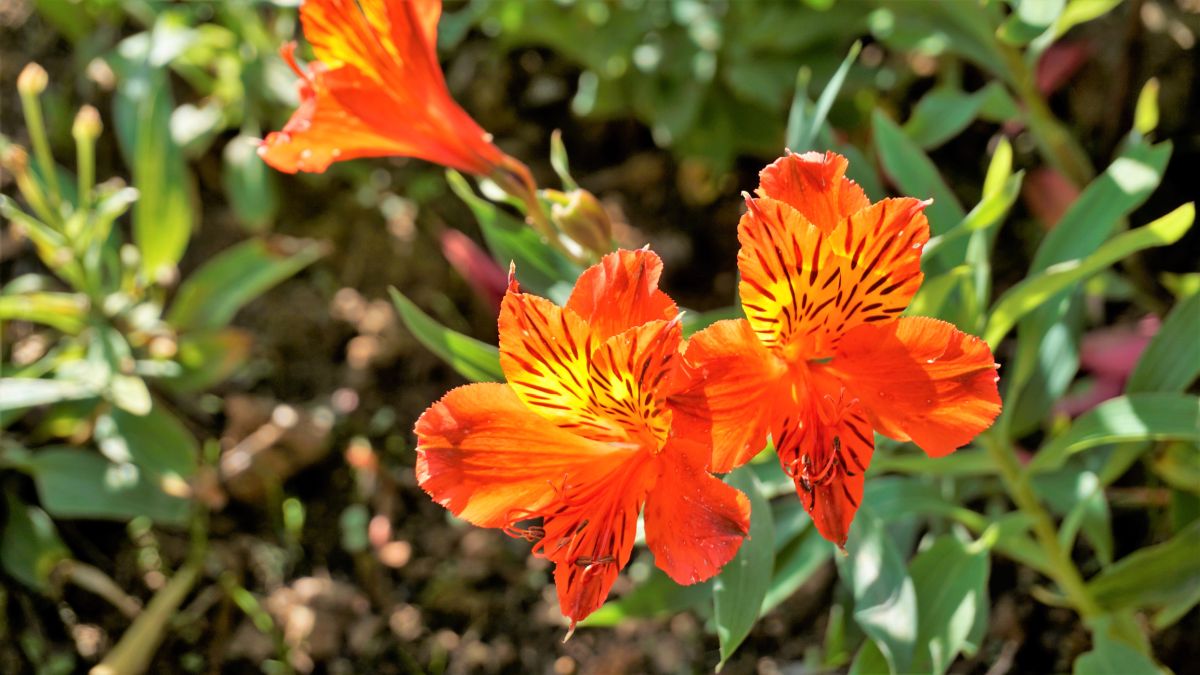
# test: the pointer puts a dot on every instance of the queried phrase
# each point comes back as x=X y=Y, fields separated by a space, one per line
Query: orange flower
x=823 y=357
x=376 y=90
x=580 y=438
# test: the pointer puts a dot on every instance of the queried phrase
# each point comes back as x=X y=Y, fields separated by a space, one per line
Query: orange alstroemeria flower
x=568 y=452
x=823 y=357
x=377 y=90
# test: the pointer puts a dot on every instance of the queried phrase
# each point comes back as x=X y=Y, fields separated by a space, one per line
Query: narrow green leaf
x=559 y=161
x=1171 y=361
x=75 y=483
x=1153 y=576
x=794 y=564
x=249 y=184
x=739 y=590
x=897 y=497
x=915 y=174
x=475 y=360
x=885 y=601
x=1135 y=417
x=950 y=579
x=207 y=358
x=23 y=392
x=210 y=298
x=658 y=595
x=964 y=462
x=30 y=547
x=65 y=311
x=1037 y=289
x=990 y=211
x=944 y=112
x=802 y=131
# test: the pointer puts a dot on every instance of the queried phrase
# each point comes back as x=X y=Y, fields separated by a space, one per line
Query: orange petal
x=825 y=444
x=922 y=380
x=590 y=530
x=483 y=455
x=816 y=186
x=729 y=400
x=321 y=131
x=802 y=288
x=621 y=291
x=694 y=522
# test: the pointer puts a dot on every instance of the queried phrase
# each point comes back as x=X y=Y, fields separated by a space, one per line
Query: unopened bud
x=581 y=217
x=87 y=124
x=15 y=159
x=33 y=80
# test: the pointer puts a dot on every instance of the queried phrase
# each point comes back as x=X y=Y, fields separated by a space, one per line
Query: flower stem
x=32 y=108
x=1062 y=568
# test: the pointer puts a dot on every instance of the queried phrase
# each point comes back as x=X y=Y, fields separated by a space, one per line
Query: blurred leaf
x=65 y=311
x=22 y=392
x=30 y=547
x=794 y=564
x=210 y=297
x=945 y=112
x=1153 y=576
x=75 y=483
x=950 y=580
x=990 y=211
x=1082 y=11
x=1145 y=113
x=249 y=184
x=1038 y=288
x=68 y=18
x=543 y=270
x=885 y=601
x=1178 y=465
x=475 y=360
x=1030 y=19
x=915 y=174
x=802 y=129
x=1171 y=361
x=209 y=358
x=1126 y=418
x=964 y=462
x=1109 y=657
x=740 y=588
x=1013 y=540
x=870 y=660
x=560 y=162
x=162 y=216
x=658 y=595
x=155 y=442
x=897 y=497
x=1077 y=494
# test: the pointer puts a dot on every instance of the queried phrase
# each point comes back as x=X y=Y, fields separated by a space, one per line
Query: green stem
x=1062 y=568
x=32 y=108
x=1056 y=144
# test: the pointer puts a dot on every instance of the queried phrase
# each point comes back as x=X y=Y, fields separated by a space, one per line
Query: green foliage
x=477 y=361
x=739 y=591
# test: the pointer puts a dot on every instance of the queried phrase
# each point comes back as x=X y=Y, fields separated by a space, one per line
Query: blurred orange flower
x=823 y=357
x=580 y=438
x=376 y=90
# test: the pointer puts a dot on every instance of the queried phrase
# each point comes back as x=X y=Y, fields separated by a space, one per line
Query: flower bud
x=87 y=124
x=14 y=158
x=33 y=80
x=582 y=218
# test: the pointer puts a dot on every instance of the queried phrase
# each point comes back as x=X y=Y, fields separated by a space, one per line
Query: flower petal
x=606 y=390
x=321 y=131
x=487 y=458
x=922 y=380
x=621 y=291
x=801 y=288
x=825 y=444
x=729 y=400
x=815 y=185
x=694 y=522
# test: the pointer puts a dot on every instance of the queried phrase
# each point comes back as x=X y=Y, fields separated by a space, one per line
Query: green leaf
x=75 y=483
x=1037 y=289
x=944 y=112
x=23 y=392
x=1110 y=657
x=1145 y=114
x=210 y=298
x=896 y=497
x=1171 y=361
x=990 y=211
x=802 y=131
x=885 y=601
x=950 y=579
x=249 y=184
x=473 y=359
x=915 y=174
x=964 y=462
x=1135 y=417
x=156 y=442
x=209 y=358
x=1153 y=576
x=30 y=547
x=539 y=267
x=794 y=564
x=658 y=595
x=739 y=590
x=65 y=311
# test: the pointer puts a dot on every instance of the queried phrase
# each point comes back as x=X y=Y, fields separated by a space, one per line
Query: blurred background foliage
x=207 y=391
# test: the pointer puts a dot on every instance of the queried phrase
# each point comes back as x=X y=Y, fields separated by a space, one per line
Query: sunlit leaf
x=29 y=545
x=475 y=360
x=1153 y=576
x=739 y=590
x=950 y=578
x=1171 y=361
x=75 y=483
